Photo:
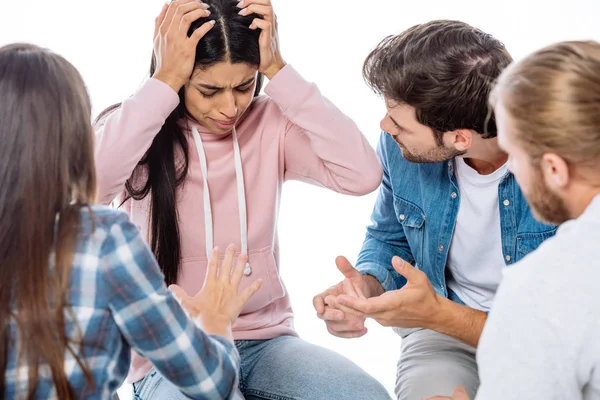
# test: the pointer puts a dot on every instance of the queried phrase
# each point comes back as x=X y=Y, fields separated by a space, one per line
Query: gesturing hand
x=219 y=298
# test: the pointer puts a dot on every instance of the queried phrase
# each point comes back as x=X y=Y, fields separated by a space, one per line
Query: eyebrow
x=397 y=124
x=211 y=87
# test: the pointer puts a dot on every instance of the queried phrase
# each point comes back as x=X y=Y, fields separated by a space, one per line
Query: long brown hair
x=553 y=98
x=47 y=175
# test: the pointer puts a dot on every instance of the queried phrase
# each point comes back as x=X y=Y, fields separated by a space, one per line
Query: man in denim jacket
x=449 y=216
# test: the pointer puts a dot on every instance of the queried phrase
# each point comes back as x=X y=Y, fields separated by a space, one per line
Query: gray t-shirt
x=542 y=338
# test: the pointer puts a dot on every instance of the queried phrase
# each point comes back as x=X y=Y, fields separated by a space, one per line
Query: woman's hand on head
x=174 y=51
x=271 y=61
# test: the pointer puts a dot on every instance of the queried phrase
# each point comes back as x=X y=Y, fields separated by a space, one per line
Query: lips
x=224 y=124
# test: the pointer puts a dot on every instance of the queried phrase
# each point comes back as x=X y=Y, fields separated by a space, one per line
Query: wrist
x=215 y=324
x=174 y=83
x=442 y=314
x=458 y=321
x=374 y=287
x=274 y=69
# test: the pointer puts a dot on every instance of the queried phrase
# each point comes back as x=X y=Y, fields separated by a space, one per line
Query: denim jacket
x=415 y=214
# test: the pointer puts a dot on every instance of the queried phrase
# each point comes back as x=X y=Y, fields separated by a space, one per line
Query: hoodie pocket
x=264 y=267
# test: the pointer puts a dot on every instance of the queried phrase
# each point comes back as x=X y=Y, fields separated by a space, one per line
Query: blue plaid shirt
x=120 y=302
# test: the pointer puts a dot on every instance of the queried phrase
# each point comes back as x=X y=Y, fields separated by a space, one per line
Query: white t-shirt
x=476 y=260
x=541 y=340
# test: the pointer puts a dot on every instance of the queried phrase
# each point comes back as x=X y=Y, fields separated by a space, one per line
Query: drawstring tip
x=247 y=269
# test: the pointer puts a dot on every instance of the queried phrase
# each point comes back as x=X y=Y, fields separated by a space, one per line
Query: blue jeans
x=284 y=368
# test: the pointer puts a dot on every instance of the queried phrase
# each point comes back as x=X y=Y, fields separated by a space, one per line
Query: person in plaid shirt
x=79 y=287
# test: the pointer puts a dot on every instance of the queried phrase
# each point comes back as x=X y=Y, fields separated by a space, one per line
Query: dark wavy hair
x=445 y=70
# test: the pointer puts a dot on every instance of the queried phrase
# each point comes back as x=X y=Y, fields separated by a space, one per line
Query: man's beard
x=437 y=154
x=545 y=204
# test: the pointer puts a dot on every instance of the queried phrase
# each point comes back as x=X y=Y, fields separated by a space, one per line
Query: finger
x=405 y=269
x=331 y=314
x=346 y=267
x=319 y=299
x=333 y=302
x=354 y=325
x=460 y=393
x=171 y=14
x=161 y=17
x=265 y=11
x=349 y=288
x=366 y=306
x=360 y=293
x=178 y=293
x=246 y=3
x=182 y=10
x=348 y=335
x=201 y=31
x=319 y=303
x=266 y=36
x=213 y=266
x=261 y=24
x=225 y=270
x=189 y=18
x=250 y=291
x=238 y=272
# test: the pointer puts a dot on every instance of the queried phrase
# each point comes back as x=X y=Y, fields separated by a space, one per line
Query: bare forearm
x=460 y=322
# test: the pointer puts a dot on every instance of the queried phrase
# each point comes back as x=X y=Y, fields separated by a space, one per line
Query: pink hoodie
x=292 y=133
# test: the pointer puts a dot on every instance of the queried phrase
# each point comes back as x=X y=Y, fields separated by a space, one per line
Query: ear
x=461 y=139
x=555 y=170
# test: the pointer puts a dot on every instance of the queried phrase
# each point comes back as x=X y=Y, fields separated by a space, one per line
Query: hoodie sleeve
x=322 y=145
x=125 y=134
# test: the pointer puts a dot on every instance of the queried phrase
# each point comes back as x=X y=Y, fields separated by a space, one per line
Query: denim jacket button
x=506 y=203
x=441 y=248
x=402 y=217
x=507 y=258
x=454 y=195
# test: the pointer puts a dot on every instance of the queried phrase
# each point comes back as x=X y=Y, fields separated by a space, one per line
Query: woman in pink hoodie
x=198 y=158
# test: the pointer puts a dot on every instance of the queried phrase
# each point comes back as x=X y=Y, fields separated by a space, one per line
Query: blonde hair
x=553 y=99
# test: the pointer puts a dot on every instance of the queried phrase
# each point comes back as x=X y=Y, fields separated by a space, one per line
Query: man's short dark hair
x=445 y=70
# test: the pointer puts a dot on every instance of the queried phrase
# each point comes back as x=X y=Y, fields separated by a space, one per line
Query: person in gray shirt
x=541 y=340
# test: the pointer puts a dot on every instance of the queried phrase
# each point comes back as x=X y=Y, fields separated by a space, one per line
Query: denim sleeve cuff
x=381 y=274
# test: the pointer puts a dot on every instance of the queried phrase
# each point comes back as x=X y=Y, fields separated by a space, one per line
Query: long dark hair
x=231 y=40
x=47 y=174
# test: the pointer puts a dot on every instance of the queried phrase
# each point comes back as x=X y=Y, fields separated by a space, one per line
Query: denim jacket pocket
x=409 y=214
x=412 y=218
x=528 y=242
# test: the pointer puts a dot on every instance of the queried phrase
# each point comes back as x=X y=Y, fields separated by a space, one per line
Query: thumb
x=460 y=393
x=346 y=268
x=404 y=268
x=178 y=293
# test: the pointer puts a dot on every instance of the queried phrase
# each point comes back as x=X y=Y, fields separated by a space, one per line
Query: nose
x=228 y=108
x=384 y=126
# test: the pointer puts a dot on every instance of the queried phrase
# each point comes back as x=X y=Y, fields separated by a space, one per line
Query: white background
x=110 y=41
